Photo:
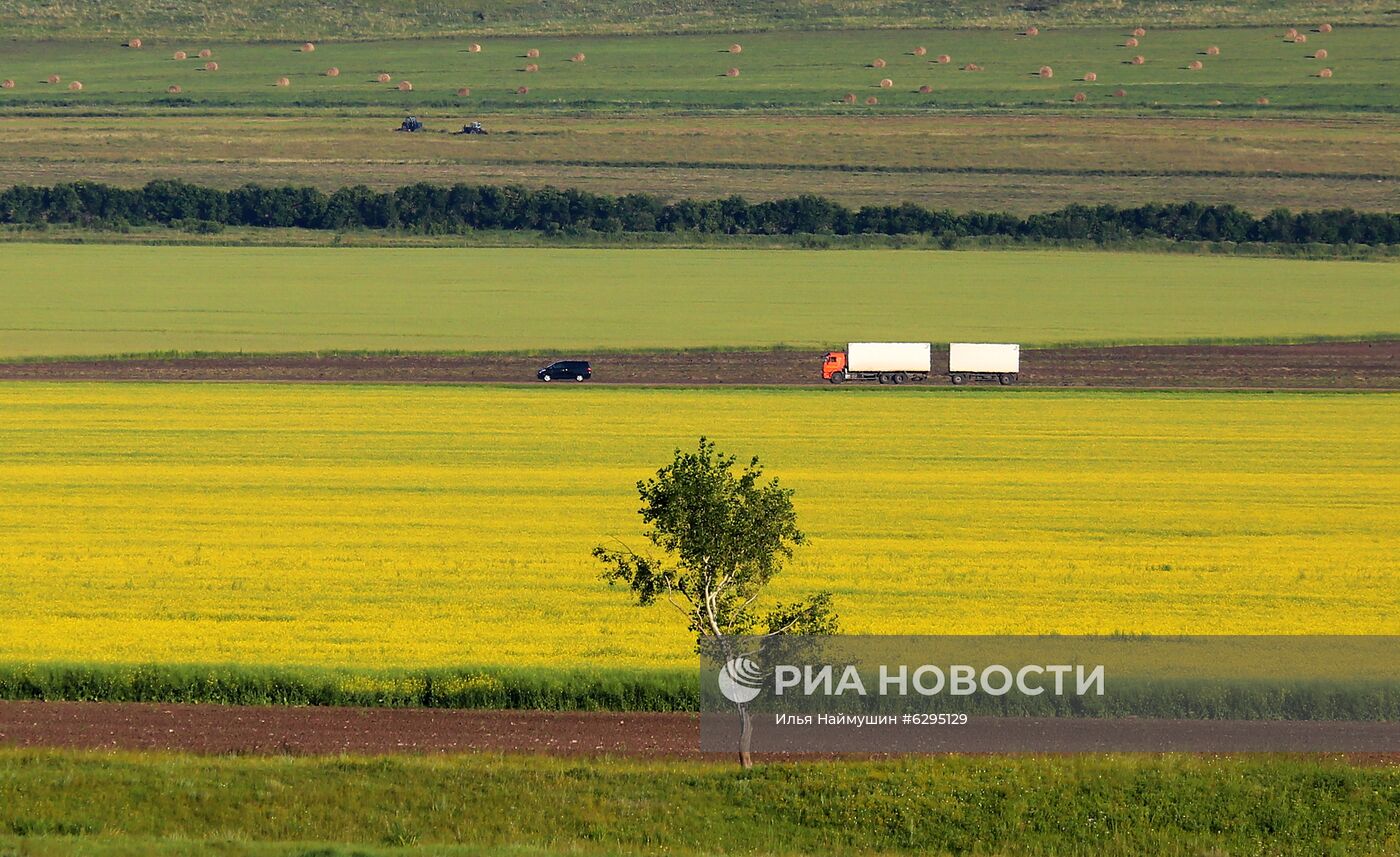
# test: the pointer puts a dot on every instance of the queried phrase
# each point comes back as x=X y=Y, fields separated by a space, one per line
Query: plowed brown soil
x=1323 y=365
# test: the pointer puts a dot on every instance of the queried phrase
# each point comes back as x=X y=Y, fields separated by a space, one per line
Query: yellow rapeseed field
x=416 y=526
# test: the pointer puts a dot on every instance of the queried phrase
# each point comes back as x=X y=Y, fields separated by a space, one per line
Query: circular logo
x=740 y=680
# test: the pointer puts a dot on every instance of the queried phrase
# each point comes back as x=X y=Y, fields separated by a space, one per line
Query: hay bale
x=180 y=55
x=7 y=83
x=1119 y=93
x=76 y=86
x=1262 y=100
x=1139 y=59
x=1300 y=39
x=849 y=98
x=133 y=43
x=173 y=89
x=1139 y=32
x=1032 y=31
x=531 y=67
x=533 y=53
x=886 y=83
x=578 y=58
x=1212 y=51
x=736 y=49
x=1324 y=28
x=1090 y=77
x=205 y=54
x=944 y=59
x=920 y=51
x=1320 y=54
x=1214 y=102
x=405 y=86
x=733 y=72
x=1195 y=65
x=474 y=48
x=1046 y=72
x=383 y=78
x=878 y=63
x=1130 y=43
x=925 y=89
x=872 y=101
x=53 y=78
x=1326 y=72
x=522 y=90
x=464 y=92
x=282 y=81
x=1291 y=34
x=1079 y=97
x=332 y=72
x=307 y=47
x=211 y=66
x=972 y=66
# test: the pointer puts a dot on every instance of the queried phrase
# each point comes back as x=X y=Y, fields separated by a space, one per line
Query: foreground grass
x=1027 y=806
x=379 y=528
x=73 y=300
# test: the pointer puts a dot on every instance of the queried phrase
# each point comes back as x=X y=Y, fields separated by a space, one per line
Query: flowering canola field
x=414 y=526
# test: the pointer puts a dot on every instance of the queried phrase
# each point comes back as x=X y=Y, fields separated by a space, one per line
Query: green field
x=808 y=71
x=75 y=300
x=82 y=803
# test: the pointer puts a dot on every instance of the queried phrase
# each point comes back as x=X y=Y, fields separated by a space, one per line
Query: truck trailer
x=983 y=361
x=886 y=362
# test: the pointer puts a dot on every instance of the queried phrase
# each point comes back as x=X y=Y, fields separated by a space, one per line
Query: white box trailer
x=886 y=362
x=983 y=361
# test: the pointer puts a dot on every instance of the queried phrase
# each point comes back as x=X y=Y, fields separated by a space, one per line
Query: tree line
x=444 y=209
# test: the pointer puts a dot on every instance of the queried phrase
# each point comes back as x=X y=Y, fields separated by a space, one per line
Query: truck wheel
x=958 y=380
x=1006 y=380
x=900 y=378
x=884 y=379
x=837 y=377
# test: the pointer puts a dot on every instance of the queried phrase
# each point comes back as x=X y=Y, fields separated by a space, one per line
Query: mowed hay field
x=806 y=71
x=402 y=527
x=91 y=300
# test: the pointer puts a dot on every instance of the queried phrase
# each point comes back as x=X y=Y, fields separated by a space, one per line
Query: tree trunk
x=745 y=737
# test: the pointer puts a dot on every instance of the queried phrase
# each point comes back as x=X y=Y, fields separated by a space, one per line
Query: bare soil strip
x=1321 y=365
x=313 y=731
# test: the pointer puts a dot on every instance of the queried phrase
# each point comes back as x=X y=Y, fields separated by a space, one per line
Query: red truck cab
x=833 y=362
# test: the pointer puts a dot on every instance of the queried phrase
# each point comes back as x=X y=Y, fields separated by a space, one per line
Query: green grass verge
x=988 y=805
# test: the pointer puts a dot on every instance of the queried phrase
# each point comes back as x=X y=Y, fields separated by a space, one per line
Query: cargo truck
x=983 y=361
x=886 y=362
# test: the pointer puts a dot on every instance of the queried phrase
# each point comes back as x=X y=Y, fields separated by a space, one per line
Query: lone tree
x=723 y=533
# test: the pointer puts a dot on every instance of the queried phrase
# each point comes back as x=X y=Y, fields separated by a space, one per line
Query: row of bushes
x=442 y=209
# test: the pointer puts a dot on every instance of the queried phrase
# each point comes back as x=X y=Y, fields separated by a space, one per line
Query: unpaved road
x=282 y=730
x=1324 y=365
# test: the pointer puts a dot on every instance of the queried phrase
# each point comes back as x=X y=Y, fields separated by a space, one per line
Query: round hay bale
x=180 y=55
x=886 y=83
x=849 y=98
x=1120 y=93
x=282 y=81
x=1326 y=72
x=1324 y=28
x=7 y=83
x=1320 y=54
x=925 y=89
x=972 y=66
x=76 y=86
x=405 y=86
x=1262 y=100
x=920 y=51
x=205 y=54
x=1214 y=102
x=133 y=43
x=1291 y=34
x=1079 y=97
x=522 y=90
x=1139 y=59
x=1301 y=39
x=533 y=53
x=307 y=47
x=1139 y=32
x=531 y=67
x=1046 y=72
x=578 y=58
x=733 y=72
x=332 y=72
x=464 y=92
x=872 y=101
x=1130 y=43
x=474 y=48
x=1032 y=31
x=1212 y=51
x=736 y=49
x=383 y=78
x=1195 y=65
x=878 y=63
x=1090 y=77
x=173 y=89
x=211 y=66
x=53 y=78
x=944 y=59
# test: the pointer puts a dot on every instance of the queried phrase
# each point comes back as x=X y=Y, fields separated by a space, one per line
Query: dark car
x=578 y=370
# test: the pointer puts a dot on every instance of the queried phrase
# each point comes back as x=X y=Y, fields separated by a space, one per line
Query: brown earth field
x=277 y=730
x=1320 y=365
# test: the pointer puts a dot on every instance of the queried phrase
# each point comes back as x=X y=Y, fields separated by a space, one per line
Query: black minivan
x=578 y=370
